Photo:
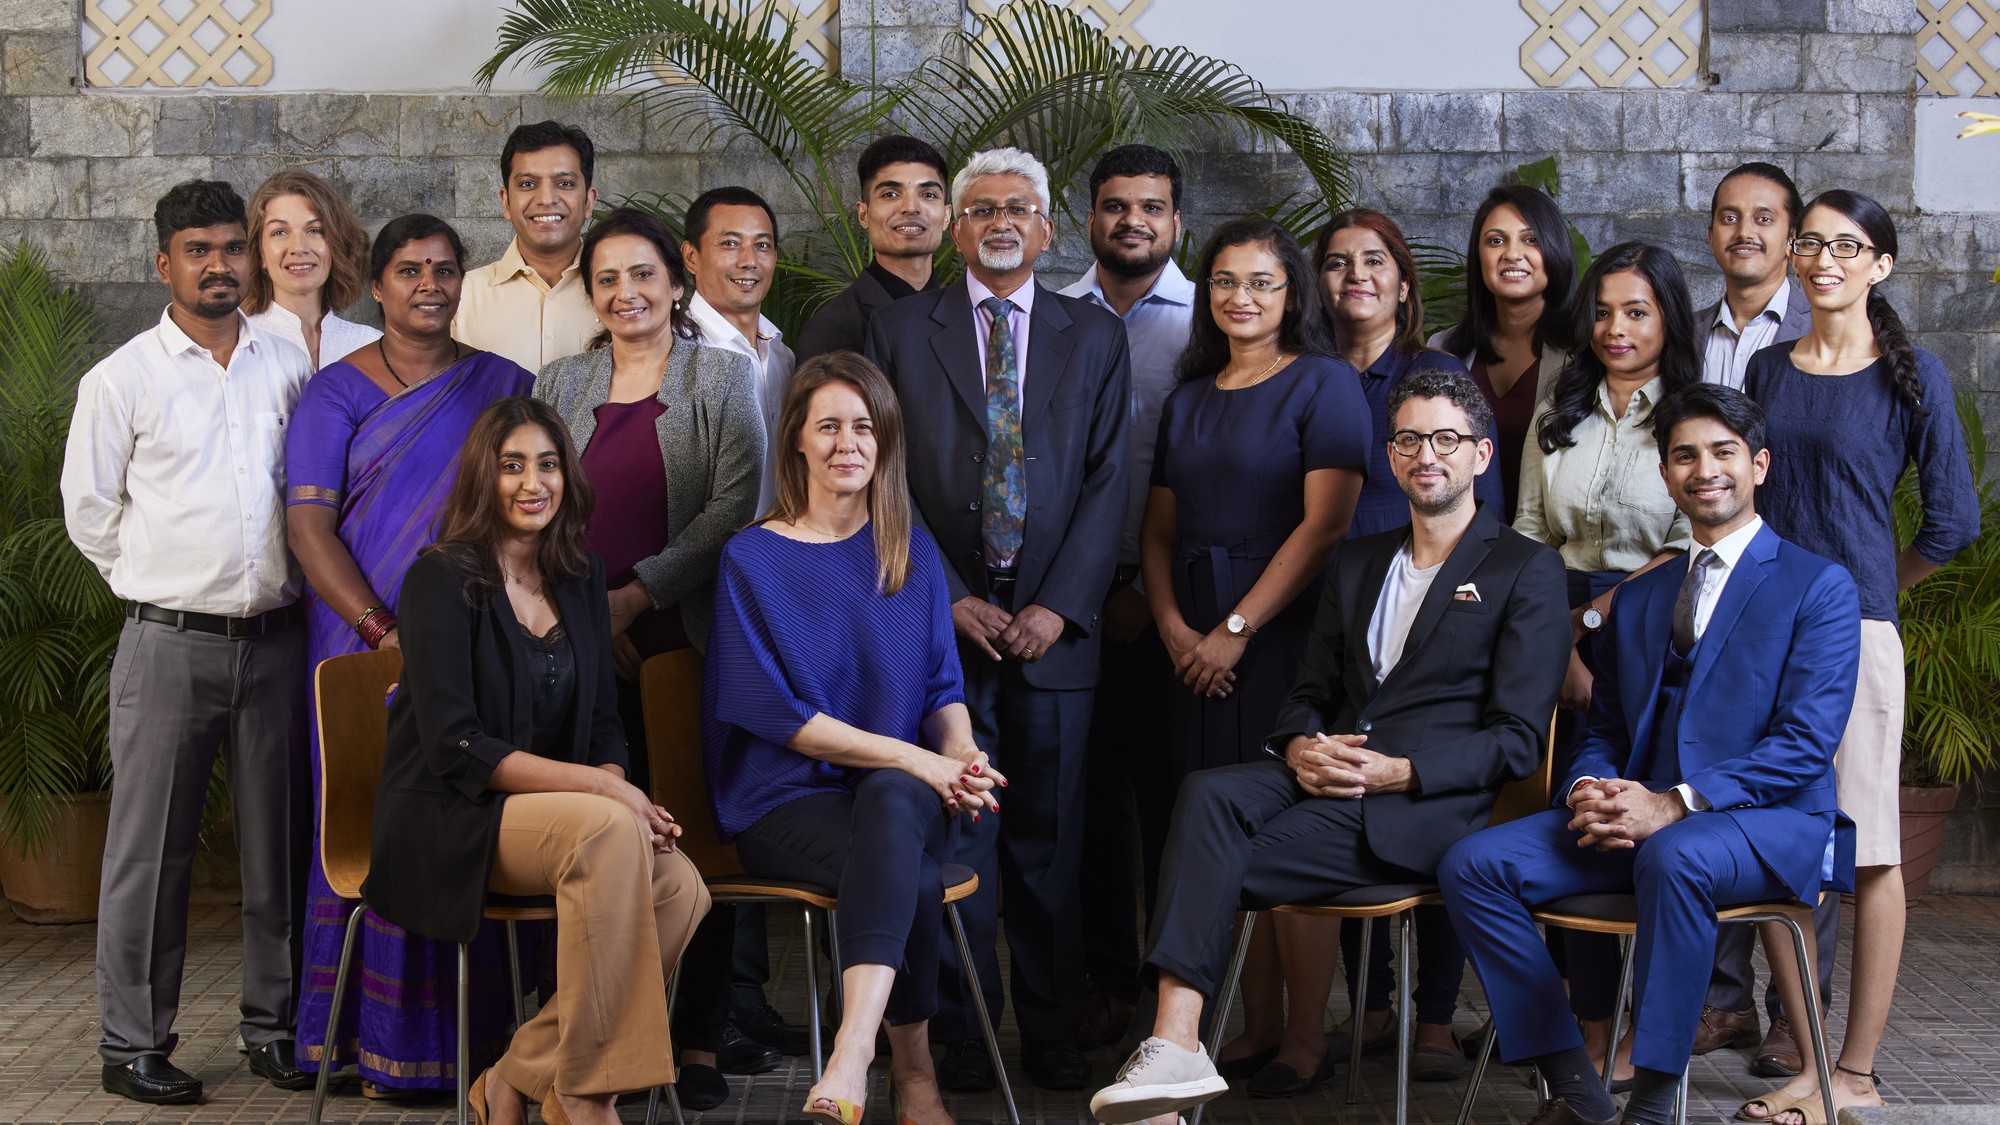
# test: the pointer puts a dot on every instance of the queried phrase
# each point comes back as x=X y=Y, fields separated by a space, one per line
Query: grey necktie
x=1684 y=606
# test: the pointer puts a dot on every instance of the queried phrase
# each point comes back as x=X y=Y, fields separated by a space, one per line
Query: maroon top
x=1512 y=416
x=624 y=465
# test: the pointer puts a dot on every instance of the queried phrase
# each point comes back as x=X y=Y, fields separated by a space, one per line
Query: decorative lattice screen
x=177 y=43
x=1958 y=51
x=1611 y=41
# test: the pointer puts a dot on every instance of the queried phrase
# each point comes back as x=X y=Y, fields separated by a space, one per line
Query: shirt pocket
x=267 y=438
x=1646 y=492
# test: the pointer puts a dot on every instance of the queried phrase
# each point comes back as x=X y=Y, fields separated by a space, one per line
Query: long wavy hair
x=1890 y=335
x=888 y=489
x=1303 y=329
x=1473 y=334
x=1410 y=312
x=1575 y=393
x=471 y=525
x=346 y=241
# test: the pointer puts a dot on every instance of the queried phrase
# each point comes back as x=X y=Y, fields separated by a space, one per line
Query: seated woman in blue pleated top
x=834 y=729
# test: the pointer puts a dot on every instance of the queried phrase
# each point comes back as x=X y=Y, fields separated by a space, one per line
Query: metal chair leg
x=1404 y=1018
x=1681 y=1101
x=1618 y=1009
x=837 y=991
x=653 y=1095
x=979 y=1006
x=1486 y=1041
x=812 y=995
x=1358 y=1011
x=514 y=974
x=464 y=1029
x=1815 y=1019
x=1218 y=1022
x=333 y=1012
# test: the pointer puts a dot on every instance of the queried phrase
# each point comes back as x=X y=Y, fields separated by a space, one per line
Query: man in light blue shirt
x=1135 y=227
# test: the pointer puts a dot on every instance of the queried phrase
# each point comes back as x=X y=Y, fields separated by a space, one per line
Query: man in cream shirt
x=731 y=247
x=530 y=305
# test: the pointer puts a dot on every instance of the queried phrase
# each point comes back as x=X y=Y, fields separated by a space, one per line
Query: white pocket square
x=1466 y=593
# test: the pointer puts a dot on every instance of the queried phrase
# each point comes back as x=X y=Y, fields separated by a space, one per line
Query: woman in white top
x=1591 y=488
x=308 y=257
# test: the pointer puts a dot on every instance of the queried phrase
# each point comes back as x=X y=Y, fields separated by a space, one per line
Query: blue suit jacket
x=1766 y=703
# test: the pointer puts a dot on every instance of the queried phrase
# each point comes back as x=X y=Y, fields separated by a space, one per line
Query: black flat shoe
x=1237 y=1070
x=737 y=1053
x=700 y=1087
x=1435 y=1064
x=1277 y=1080
x=766 y=1026
x=153 y=1080
x=276 y=1063
x=966 y=1068
x=1055 y=1064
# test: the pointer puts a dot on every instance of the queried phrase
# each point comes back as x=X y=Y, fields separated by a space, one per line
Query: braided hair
x=1890 y=335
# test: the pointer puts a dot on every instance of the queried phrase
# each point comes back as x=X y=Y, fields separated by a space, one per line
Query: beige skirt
x=1870 y=757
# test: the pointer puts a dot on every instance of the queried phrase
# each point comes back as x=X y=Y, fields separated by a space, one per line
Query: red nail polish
x=975 y=767
x=1003 y=784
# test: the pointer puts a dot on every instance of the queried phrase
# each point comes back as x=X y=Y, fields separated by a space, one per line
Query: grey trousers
x=177 y=699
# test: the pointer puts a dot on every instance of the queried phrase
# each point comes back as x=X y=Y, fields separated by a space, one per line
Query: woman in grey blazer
x=671 y=436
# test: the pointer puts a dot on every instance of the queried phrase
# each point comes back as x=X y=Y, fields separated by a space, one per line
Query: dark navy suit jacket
x=1765 y=705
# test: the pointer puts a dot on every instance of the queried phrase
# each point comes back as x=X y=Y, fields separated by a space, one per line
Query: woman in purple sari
x=368 y=465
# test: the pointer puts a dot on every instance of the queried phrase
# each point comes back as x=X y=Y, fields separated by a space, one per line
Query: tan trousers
x=605 y=1032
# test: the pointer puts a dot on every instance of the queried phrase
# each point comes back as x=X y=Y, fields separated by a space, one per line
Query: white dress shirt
x=173 y=482
x=774 y=373
x=506 y=308
x=1156 y=329
x=1018 y=322
x=1727 y=353
x=338 y=337
x=1601 y=502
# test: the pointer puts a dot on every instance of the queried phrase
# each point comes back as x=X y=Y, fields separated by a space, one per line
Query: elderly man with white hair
x=1016 y=401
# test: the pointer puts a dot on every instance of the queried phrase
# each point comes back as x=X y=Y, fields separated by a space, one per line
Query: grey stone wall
x=1824 y=88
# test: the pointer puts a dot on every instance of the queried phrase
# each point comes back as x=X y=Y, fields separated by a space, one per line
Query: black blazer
x=1470 y=702
x=841 y=325
x=1074 y=421
x=463 y=705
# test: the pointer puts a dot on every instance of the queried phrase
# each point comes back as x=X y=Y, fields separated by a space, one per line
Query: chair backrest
x=352 y=712
x=670 y=685
x=1530 y=794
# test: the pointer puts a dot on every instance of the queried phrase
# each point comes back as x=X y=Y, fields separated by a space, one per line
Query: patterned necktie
x=1005 y=503
x=1684 y=606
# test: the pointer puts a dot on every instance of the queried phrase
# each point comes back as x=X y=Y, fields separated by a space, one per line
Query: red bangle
x=374 y=625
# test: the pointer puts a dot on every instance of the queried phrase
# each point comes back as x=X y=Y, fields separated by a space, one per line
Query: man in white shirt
x=173 y=485
x=1751 y=218
x=530 y=306
x=1135 y=227
x=730 y=241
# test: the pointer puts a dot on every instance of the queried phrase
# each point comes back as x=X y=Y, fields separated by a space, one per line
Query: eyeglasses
x=1841 y=247
x=1256 y=285
x=985 y=212
x=1445 y=442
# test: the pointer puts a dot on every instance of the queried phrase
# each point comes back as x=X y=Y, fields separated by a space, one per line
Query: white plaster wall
x=1954 y=174
x=385 y=46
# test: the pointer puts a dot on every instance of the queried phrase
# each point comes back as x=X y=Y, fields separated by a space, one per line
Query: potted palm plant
x=1951 y=652
x=58 y=622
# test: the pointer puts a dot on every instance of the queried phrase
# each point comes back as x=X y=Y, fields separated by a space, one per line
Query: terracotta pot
x=1924 y=812
x=60 y=883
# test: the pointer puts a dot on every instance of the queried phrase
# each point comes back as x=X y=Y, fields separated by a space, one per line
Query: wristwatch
x=1593 y=621
x=1237 y=626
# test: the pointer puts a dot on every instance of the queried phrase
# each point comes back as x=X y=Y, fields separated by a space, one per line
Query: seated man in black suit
x=1427 y=683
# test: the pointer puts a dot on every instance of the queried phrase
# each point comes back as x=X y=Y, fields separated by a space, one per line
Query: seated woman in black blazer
x=505 y=770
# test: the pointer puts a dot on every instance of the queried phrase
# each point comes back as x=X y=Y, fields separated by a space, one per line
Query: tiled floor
x=1943 y=1044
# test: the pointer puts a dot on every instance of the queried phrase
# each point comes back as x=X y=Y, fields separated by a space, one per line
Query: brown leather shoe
x=1721 y=1029
x=1779 y=1056
x=1556 y=1111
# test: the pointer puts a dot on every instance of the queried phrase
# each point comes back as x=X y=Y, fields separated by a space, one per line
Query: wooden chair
x=1365 y=904
x=670 y=684
x=353 y=718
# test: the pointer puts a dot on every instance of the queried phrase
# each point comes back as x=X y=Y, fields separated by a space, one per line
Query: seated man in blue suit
x=1704 y=777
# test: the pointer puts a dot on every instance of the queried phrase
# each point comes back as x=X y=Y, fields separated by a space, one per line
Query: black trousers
x=1247 y=837
x=1732 y=984
x=1129 y=801
x=881 y=846
x=1440 y=965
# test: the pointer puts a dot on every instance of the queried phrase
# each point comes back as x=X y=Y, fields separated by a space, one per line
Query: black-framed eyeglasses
x=1445 y=442
x=1841 y=247
x=1257 y=285
x=985 y=212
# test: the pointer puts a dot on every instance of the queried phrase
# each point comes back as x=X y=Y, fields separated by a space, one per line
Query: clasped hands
x=1613 y=813
x=1026 y=636
x=964 y=779
x=1341 y=765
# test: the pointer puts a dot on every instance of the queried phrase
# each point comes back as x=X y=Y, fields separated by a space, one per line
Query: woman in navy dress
x=1261 y=454
x=834 y=728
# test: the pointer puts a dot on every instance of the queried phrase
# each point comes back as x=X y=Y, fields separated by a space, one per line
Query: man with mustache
x=904 y=210
x=1703 y=778
x=530 y=305
x=1135 y=227
x=1751 y=218
x=1017 y=402
x=1428 y=682
x=173 y=485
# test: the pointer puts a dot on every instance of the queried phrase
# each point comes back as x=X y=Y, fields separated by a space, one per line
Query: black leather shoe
x=766 y=1026
x=1276 y=1080
x=276 y=1063
x=740 y=1054
x=966 y=1068
x=700 y=1087
x=1237 y=1070
x=153 y=1080
x=1055 y=1064
x=1556 y=1111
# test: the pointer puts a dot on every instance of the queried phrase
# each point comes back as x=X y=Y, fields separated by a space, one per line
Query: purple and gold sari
x=385 y=464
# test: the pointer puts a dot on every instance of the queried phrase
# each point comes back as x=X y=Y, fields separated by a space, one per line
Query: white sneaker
x=1159 y=1078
